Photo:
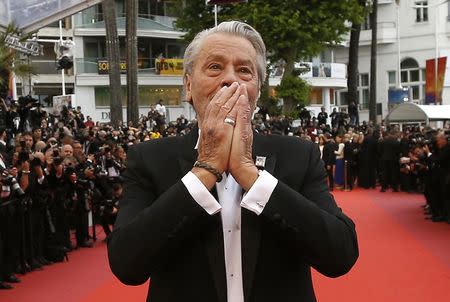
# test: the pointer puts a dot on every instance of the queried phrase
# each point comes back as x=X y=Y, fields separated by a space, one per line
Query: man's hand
x=240 y=163
x=216 y=135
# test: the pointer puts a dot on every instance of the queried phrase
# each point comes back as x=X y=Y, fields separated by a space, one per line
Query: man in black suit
x=203 y=222
x=390 y=151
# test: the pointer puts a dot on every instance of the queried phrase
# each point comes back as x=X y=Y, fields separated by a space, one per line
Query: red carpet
x=402 y=258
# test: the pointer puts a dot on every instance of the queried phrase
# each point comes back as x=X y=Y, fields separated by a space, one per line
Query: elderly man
x=225 y=214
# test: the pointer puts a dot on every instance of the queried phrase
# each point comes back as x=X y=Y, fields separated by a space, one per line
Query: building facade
x=409 y=34
x=159 y=48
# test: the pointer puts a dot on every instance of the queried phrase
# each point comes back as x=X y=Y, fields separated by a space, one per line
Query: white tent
x=411 y=113
x=31 y=15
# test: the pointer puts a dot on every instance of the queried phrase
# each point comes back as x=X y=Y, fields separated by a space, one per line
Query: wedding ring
x=229 y=121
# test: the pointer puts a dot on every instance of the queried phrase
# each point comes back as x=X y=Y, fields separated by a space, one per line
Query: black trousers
x=389 y=176
x=330 y=176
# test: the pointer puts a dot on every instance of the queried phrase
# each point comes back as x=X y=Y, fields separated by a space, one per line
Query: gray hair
x=235 y=28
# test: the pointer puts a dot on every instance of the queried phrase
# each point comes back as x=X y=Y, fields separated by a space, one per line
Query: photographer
x=440 y=179
x=109 y=209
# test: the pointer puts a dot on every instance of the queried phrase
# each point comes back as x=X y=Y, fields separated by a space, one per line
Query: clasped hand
x=224 y=146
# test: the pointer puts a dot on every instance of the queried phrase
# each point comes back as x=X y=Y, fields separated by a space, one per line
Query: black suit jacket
x=162 y=233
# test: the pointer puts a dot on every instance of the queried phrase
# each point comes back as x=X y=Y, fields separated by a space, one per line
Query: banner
x=398 y=95
x=433 y=89
x=63 y=100
x=219 y=2
x=169 y=66
x=103 y=66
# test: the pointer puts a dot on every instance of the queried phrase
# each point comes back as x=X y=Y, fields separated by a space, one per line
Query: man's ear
x=187 y=87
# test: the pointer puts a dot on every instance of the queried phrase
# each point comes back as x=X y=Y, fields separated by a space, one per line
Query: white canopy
x=410 y=112
x=31 y=15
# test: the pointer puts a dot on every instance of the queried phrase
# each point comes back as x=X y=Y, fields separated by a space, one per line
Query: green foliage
x=308 y=25
x=293 y=30
x=295 y=89
x=21 y=68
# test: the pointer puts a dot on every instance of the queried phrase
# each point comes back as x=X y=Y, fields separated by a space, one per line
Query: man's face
x=441 y=141
x=222 y=60
x=37 y=133
x=28 y=141
x=67 y=151
x=77 y=149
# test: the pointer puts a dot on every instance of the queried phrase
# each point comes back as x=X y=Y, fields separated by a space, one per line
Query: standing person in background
x=390 y=150
x=334 y=118
x=353 y=113
x=161 y=120
x=339 y=171
x=322 y=117
x=348 y=162
x=329 y=158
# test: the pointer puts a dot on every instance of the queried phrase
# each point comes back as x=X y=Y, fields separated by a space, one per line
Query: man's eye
x=245 y=70
x=214 y=66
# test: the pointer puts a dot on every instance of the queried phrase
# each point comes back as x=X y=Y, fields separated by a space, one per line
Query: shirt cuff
x=41 y=180
x=259 y=194
x=201 y=194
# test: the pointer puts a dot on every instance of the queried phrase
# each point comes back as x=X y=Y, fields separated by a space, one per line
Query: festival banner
x=433 y=90
x=169 y=66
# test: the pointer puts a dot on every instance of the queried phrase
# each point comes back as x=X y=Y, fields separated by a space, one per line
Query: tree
x=113 y=52
x=10 y=60
x=293 y=30
x=373 y=64
x=132 y=61
x=353 y=50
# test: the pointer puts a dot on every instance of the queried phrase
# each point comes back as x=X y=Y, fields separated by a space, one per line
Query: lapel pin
x=260 y=161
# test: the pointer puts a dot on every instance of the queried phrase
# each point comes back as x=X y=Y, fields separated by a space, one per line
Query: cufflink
x=260 y=162
x=260 y=204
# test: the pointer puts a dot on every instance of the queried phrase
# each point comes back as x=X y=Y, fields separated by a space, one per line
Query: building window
x=363 y=91
x=343 y=96
x=392 y=78
x=448 y=11
x=421 y=11
x=316 y=96
x=413 y=78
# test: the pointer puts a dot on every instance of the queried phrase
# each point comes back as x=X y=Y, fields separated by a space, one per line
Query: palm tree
x=132 y=69
x=113 y=51
x=10 y=60
x=373 y=64
x=353 y=50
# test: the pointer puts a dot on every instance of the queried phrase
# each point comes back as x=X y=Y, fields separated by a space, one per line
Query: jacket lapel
x=251 y=224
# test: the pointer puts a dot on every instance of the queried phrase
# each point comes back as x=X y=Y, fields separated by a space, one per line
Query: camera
x=10 y=181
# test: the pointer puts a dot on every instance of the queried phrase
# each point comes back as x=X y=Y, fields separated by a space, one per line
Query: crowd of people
x=58 y=167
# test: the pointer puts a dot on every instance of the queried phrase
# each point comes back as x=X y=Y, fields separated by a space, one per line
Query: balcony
x=387 y=34
x=90 y=65
x=86 y=18
x=326 y=75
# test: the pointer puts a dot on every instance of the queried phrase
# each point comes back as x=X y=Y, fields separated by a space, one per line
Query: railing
x=382 y=25
x=89 y=18
x=45 y=67
x=89 y=65
x=316 y=70
x=325 y=70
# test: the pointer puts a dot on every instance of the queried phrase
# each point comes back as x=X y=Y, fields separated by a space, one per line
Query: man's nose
x=229 y=77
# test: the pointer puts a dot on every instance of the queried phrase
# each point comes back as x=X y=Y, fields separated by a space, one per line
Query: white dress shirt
x=230 y=202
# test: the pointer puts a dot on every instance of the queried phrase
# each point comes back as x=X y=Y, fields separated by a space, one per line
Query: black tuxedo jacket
x=162 y=233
